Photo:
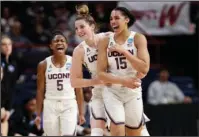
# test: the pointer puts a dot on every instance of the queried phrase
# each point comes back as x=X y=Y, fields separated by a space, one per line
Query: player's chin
x=84 y=38
x=117 y=31
x=60 y=51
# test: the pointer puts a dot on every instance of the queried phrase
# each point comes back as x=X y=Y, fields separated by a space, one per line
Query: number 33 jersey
x=58 y=85
x=118 y=65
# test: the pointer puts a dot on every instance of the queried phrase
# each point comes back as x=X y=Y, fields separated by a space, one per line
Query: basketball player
x=59 y=106
x=86 y=53
x=120 y=57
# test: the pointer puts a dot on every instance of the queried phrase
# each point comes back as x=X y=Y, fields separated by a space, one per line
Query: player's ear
x=93 y=27
x=127 y=20
x=51 y=46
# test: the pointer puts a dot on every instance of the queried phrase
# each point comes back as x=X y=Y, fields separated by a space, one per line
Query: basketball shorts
x=97 y=105
x=124 y=106
x=60 y=117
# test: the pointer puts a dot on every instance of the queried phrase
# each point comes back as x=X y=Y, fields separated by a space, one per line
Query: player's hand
x=38 y=122
x=97 y=81
x=117 y=48
x=140 y=75
x=81 y=119
x=100 y=82
x=131 y=82
x=108 y=84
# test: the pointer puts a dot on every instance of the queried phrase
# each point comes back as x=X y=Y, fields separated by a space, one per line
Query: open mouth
x=60 y=48
x=82 y=35
x=115 y=27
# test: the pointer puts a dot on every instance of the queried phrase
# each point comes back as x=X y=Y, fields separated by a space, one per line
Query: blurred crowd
x=29 y=24
x=33 y=22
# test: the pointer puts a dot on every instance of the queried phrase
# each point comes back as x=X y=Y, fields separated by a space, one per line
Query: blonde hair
x=83 y=14
x=82 y=10
x=5 y=37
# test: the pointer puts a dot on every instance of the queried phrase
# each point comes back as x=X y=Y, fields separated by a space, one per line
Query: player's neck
x=92 y=42
x=122 y=36
x=59 y=59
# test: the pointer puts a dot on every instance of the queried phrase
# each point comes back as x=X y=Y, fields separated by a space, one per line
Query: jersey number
x=59 y=85
x=121 y=63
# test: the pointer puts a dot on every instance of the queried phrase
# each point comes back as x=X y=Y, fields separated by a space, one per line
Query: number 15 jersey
x=58 y=85
x=118 y=65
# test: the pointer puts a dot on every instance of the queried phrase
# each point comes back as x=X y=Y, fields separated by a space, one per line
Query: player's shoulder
x=139 y=38
x=104 y=39
x=109 y=33
x=105 y=34
x=42 y=65
x=138 y=35
x=79 y=48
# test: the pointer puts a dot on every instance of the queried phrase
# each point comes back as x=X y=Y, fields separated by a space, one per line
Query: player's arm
x=102 y=64
x=80 y=103
x=107 y=34
x=140 y=62
x=40 y=86
x=80 y=99
x=77 y=80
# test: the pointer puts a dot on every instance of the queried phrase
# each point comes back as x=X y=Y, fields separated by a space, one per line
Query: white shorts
x=60 y=117
x=124 y=106
x=146 y=119
x=97 y=105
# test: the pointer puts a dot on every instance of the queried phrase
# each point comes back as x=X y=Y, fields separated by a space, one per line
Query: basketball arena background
x=172 y=31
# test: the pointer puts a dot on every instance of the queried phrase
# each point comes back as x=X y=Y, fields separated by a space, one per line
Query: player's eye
x=63 y=40
x=117 y=18
x=82 y=26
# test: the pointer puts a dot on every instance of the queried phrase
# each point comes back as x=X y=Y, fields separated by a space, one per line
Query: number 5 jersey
x=58 y=85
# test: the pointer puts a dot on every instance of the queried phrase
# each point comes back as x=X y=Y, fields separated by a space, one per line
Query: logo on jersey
x=59 y=76
x=92 y=58
x=68 y=66
x=129 y=42
x=50 y=68
x=117 y=54
x=111 y=44
x=88 y=51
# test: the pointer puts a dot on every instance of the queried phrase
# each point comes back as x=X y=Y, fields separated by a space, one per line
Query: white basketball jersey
x=58 y=85
x=90 y=62
x=90 y=57
x=118 y=65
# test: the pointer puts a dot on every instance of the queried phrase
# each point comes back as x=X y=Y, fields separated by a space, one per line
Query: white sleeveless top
x=90 y=58
x=118 y=65
x=58 y=85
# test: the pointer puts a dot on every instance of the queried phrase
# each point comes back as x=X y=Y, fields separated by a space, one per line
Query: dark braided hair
x=127 y=14
x=57 y=32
